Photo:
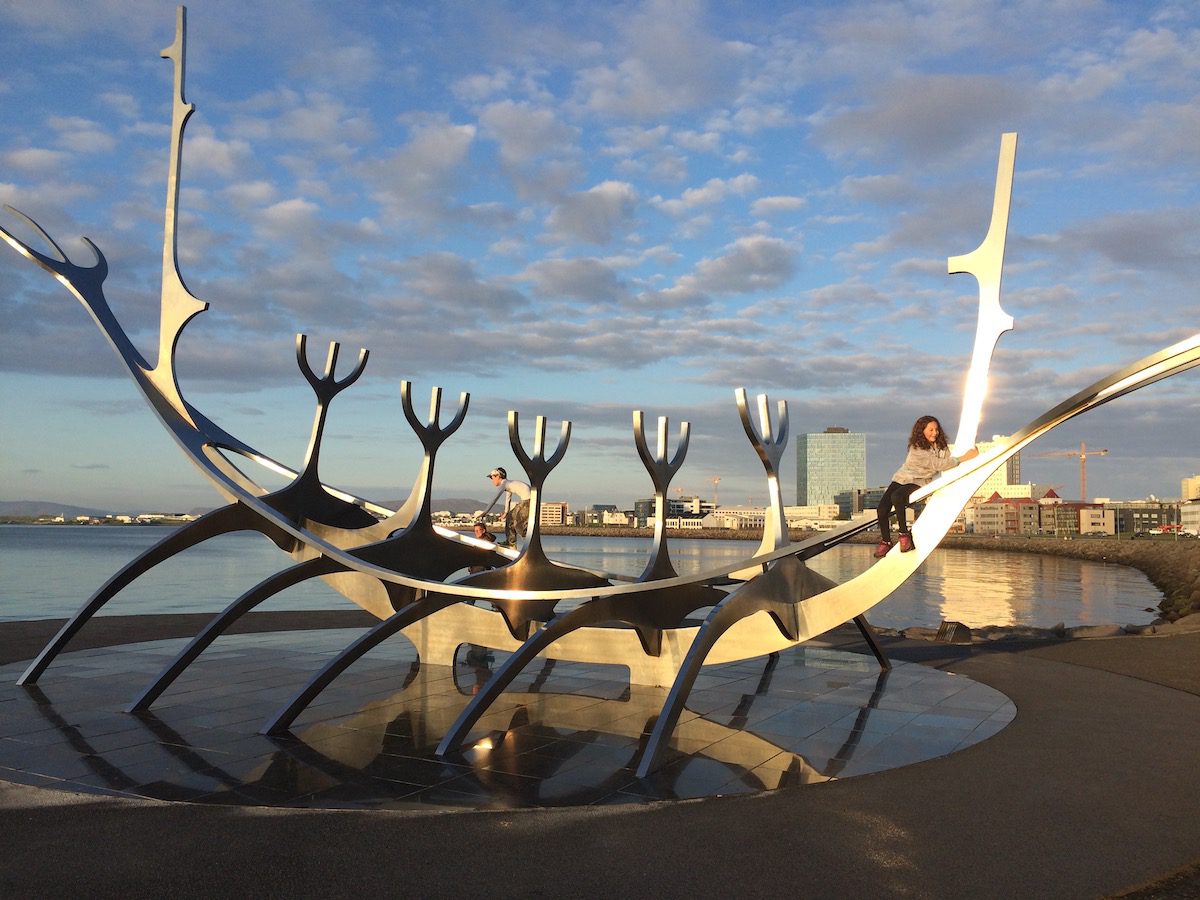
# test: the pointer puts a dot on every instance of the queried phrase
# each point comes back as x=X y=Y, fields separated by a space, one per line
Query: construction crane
x=1081 y=454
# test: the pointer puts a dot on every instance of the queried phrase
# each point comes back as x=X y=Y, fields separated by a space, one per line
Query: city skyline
x=579 y=211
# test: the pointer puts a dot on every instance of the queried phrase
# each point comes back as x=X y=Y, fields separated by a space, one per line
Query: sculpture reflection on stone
x=397 y=565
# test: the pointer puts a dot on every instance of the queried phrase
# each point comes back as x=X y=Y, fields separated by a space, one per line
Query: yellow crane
x=1081 y=454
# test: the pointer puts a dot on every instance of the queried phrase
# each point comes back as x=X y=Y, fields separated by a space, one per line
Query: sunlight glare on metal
x=16 y=245
x=986 y=263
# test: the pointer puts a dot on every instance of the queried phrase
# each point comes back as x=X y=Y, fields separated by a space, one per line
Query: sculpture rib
x=948 y=495
x=420 y=609
x=260 y=593
x=225 y=520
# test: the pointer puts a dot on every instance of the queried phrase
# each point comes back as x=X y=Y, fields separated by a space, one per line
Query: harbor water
x=49 y=571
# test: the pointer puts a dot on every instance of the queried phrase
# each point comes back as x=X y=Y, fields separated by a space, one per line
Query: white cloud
x=288 y=218
x=416 y=182
x=529 y=138
x=595 y=215
x=891 y=190
x=501 y=153
x=250 y=193
x=913 y=118
x=751 y=264
x=713 y=191
x=585 y=278
x=452 y=285
x=324 y=119
x=80 y=135
x=772 y=206
x=124 y=104
x=671 y=64
x=36 y=161
x=205 y=152
x=475 y=88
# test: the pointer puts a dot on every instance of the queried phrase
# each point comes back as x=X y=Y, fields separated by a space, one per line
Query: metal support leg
x=262 y=591
x=512 y=667
x=868 y=634
x=718 y=622
x=225 y=520
x=426 y=606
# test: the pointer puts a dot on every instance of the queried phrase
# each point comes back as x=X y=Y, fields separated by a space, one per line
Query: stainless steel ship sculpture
x=397 y=565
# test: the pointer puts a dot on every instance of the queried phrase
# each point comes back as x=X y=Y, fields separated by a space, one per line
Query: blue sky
x=581 y=209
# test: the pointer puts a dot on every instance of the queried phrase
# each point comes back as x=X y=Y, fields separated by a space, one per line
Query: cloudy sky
x=577 y=210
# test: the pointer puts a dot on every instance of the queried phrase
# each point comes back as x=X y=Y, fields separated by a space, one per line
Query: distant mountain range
x=45 y=508
x=448 y=504
x=27 y=508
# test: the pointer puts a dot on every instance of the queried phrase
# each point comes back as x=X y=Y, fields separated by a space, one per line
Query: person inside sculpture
x=482 y=534
x=928 y=454
x=516 y=514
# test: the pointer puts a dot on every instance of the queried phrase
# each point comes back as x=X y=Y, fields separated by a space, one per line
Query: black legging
x=896 y=495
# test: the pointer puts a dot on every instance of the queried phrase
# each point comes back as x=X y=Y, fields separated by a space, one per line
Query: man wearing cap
x=516 y=515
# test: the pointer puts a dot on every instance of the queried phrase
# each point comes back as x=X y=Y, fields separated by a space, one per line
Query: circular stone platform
x=564 y=734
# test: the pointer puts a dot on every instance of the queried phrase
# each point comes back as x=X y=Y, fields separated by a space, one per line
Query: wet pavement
x=564 y=734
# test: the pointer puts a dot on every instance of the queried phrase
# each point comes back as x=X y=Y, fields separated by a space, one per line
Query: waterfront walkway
x=1091 y=791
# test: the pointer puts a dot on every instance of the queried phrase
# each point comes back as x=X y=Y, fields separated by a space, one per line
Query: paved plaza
x=1055 y=770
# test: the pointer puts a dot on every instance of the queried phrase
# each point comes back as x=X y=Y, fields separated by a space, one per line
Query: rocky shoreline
x=1172 y=565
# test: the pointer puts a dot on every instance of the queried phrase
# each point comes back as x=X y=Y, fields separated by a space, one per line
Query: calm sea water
x=49 y=571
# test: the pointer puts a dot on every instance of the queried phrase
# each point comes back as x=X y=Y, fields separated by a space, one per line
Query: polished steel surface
x=568 y=734
x=769 y=443
x=986 y=263
x=395 y=564
x=661 y=472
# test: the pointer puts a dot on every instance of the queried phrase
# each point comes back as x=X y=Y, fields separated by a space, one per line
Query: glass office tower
x=828 y=463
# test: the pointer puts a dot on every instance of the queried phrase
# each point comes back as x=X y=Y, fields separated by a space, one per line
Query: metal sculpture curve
x=397 y=565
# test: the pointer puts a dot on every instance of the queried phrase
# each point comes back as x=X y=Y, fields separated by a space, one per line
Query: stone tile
x=561 y=734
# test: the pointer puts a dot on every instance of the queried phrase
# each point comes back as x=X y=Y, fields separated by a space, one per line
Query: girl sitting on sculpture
x=928 y=455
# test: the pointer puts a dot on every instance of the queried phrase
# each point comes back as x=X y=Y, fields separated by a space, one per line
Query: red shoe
x=906 y=544
x=882 y=550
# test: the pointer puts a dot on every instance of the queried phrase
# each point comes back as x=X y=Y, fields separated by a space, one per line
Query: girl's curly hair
x=917 y=438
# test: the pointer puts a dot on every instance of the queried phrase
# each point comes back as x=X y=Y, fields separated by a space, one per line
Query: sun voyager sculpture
x=398 y=566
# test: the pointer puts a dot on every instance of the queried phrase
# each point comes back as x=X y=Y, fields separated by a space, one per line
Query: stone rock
x=1095 y=631
x=1141 y=629
x=1184 y=625
x=1015 y=633
x=917 y=633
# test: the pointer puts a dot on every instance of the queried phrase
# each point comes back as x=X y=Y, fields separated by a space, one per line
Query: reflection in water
x=47 y=572
x=975 y=587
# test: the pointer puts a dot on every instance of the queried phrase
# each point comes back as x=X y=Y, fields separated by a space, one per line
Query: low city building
x=735 y=517
x=554 y=513
x=1189 y=489
x=1189 y=517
